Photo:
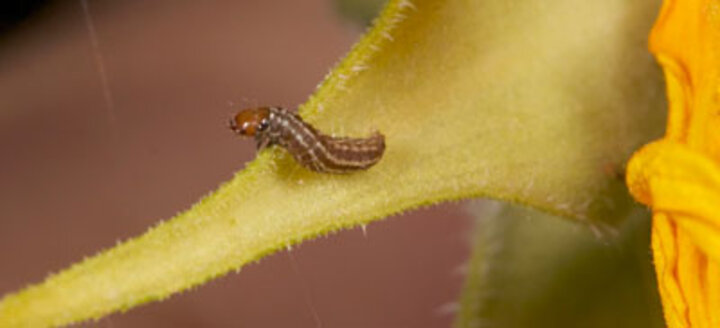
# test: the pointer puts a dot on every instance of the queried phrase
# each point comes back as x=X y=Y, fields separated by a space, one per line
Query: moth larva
x=312 y=149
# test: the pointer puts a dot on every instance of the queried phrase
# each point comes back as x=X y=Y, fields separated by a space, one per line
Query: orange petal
x=679 y=176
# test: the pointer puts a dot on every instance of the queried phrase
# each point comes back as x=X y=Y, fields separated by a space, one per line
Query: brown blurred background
x=114 y=118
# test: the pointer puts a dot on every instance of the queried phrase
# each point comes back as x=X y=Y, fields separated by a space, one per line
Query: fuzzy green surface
x=525 y=100
x=532 y=269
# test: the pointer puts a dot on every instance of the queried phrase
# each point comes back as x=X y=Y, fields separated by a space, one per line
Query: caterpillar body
x=310 y=148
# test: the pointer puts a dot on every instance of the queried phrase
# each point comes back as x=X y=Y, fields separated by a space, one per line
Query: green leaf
x=528 y=101
x=531 y=269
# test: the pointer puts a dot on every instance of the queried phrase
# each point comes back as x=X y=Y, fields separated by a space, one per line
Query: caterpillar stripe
x=316 y=151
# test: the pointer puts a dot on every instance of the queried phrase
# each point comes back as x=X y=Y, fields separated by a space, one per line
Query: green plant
x=524 y=101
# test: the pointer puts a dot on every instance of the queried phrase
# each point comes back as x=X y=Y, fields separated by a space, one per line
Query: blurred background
x=113 y=117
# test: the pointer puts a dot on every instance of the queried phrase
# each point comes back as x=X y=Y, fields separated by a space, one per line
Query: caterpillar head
x=251 y=122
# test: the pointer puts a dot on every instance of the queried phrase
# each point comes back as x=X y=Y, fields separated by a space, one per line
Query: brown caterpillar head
x=251 y=122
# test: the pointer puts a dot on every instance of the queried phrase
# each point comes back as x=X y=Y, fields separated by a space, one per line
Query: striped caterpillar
x=312 y=149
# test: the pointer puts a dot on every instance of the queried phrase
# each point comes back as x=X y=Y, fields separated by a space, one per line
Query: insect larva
x=312 y=149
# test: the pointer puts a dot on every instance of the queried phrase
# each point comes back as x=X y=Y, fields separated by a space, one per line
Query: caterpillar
x=313 y=150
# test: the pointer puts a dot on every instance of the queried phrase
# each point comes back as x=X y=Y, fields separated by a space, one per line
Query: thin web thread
x=306 y=290
x=99 y=62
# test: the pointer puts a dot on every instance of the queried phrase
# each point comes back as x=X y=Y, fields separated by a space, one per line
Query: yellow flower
x=679 y=175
